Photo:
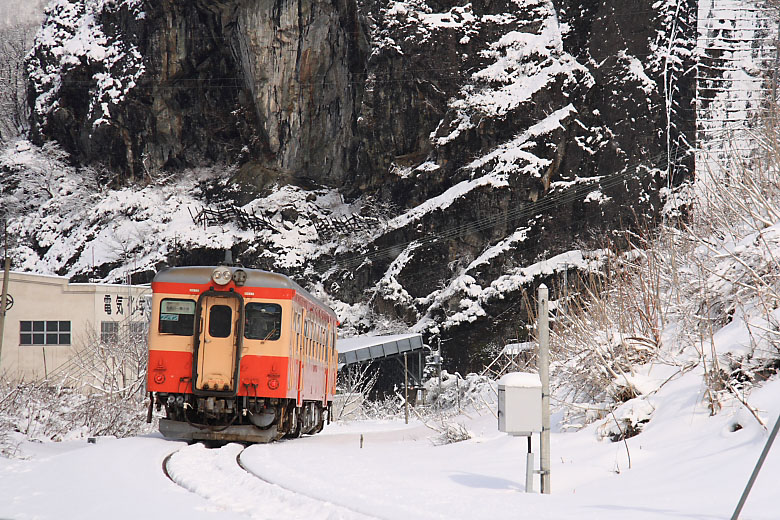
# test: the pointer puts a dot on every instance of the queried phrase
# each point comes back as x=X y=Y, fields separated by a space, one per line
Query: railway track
x=219 y=476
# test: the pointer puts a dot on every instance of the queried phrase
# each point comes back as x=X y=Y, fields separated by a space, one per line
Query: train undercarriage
x=236 y=418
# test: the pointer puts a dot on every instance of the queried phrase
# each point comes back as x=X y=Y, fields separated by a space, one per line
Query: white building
x=49 y=320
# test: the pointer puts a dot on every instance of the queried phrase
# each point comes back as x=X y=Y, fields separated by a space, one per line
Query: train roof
x=200 y=275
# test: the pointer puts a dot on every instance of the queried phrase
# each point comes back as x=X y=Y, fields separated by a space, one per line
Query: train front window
x=220 y=321
x=177 y=317
x=263 y=321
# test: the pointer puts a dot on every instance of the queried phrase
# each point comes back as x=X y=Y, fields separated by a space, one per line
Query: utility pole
x=773 y=105
x=544 y=374
x=457 y=388
x=4 y=296
x=438 y=362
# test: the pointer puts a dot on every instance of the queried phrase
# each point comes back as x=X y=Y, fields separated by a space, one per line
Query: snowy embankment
x=67 y=223
x=685 y=464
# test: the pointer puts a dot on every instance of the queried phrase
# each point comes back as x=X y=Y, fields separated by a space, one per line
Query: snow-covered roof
x=520 y=380
x=24 y=276
x=369 y=348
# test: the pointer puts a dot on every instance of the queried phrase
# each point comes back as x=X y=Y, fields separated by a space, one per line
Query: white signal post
x=543 y=331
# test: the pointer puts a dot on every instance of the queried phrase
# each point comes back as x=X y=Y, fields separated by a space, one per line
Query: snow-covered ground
x=685 y=464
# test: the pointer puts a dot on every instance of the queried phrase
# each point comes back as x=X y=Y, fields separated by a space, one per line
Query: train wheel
x=320 y=420
x=296 y=423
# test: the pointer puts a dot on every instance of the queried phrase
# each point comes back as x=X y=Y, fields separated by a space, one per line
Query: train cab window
x=220 y=321
x=177 y=317
x=263 y=321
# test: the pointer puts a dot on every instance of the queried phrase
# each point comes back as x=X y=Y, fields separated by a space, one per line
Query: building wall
x=44 y=298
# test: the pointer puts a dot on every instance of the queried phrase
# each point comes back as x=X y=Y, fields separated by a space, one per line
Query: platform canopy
x=515 y=349
x=369 y=348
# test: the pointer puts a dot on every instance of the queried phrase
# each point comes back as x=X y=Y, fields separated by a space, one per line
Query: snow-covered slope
x=685 y=465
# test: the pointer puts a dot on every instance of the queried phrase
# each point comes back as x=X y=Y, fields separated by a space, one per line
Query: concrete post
x=543 y=331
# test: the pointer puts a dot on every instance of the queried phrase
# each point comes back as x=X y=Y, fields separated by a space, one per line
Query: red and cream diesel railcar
x=239 y=354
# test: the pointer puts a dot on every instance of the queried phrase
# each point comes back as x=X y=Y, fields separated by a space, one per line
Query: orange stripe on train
x=170 y=371
x=259 y=376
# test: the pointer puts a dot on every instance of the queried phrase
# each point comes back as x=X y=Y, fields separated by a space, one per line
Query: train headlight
x=221 y=275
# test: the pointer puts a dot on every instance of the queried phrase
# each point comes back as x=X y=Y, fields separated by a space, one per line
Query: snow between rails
x=216 y=475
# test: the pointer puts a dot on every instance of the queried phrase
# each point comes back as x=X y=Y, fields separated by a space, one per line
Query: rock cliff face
x=144 y=86
x=509 y=136
x=550 y=96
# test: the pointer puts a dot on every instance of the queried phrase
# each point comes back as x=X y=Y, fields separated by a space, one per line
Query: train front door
x=219 y=339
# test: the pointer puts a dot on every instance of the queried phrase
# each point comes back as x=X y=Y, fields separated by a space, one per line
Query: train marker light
x=221 y=275
x=273 y=384
x=159 y=378
x=239 y=277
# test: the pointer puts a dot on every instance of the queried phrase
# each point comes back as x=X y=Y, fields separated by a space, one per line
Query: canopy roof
x=370 y=348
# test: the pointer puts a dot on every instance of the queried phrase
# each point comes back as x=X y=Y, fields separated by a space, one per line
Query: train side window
x=263 y=321
x=220 y=321
x=177 y=317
